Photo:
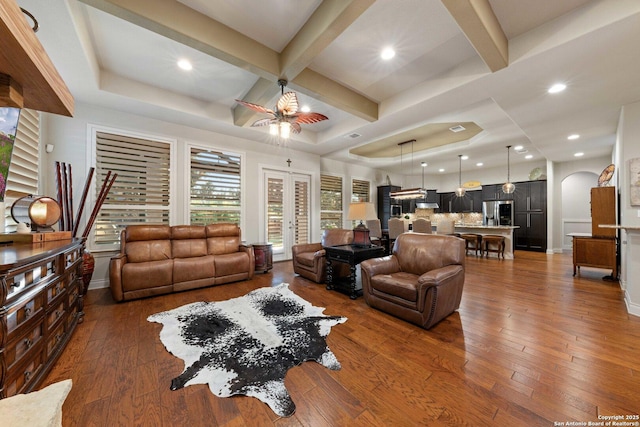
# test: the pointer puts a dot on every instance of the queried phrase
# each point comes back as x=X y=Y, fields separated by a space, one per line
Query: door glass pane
x=301 y=212
x=275 y=211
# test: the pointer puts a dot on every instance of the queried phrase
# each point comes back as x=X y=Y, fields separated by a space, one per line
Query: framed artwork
x=634 y=181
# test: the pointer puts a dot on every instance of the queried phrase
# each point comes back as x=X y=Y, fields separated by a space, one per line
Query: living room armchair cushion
x=309 y=258
x=422 y=280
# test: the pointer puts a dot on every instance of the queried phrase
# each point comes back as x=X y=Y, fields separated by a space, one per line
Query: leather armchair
x=421 y=282
x=309 y=258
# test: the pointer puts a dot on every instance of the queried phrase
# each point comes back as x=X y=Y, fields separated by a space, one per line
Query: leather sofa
x=420 y=282
x=309 y=258
x=160 y=259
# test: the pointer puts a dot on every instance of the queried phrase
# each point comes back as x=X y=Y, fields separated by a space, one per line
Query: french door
x=287 y=204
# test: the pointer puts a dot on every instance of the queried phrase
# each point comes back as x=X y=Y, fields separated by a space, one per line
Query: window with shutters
x=22 y=179
x=215 y=186
x=140 y=193
x=275 y=211
x=359 y=190
x=330 y=201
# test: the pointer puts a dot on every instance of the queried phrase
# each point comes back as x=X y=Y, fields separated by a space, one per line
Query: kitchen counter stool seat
x=493 y=244
x=472 y=241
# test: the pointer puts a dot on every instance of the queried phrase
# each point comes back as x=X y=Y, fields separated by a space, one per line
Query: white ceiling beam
x=482 y=28
x=178 y=22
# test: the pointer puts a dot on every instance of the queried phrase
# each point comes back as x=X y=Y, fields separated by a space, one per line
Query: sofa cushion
x=306 y=258
x=148 y=250
x=222 y=238
x=134 y=233
x=228 y=264
x=188 y=232
x=194 y=268
x=145 y=275
x=189 y=248
x=400 y=284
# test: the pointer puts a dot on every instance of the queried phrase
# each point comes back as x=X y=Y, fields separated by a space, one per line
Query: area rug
x=246 y=345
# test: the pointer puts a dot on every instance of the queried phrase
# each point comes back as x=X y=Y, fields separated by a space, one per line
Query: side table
x=263 y=256
x=351 y=255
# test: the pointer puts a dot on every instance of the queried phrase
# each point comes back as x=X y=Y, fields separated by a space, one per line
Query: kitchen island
x=497 y=230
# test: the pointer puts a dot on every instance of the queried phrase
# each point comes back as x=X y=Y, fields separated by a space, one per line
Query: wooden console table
x=351 y=255
x=41 y=303
x=597 y=252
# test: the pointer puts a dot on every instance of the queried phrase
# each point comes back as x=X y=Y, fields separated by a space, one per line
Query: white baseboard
x=98 y=284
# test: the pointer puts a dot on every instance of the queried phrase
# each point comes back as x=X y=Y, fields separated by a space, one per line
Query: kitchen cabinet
x=446 y=202
x=471 y=202
x=494 y=192
x=530 y=215
x=384 y=204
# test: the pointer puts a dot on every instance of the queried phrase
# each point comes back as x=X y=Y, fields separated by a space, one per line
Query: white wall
x=576 y=205
x=627 y=148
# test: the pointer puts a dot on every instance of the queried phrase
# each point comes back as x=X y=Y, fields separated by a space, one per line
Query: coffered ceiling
x=487 y=62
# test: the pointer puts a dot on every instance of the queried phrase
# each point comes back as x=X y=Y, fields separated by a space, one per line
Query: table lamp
x=361 y=211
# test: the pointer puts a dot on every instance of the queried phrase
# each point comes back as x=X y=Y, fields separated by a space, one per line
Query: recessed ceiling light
x=465 y=157
x=579 y=154
x=441 y=170
x=479 y=164
x=529 y=156
x=305 y=109
x=423 y=164
x=573 y=136
x=387 y=53
x=185 y=64
x=518 y=148
x=558 y=87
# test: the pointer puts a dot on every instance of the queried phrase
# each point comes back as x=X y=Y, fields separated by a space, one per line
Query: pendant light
x=508 y=187
x=460 y=191
x=410 y=193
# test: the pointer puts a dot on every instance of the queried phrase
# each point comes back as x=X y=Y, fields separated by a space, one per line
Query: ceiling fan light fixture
x=285 y=118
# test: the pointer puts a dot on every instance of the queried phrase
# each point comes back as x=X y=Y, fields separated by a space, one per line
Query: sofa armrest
x=383 y=265
x=252 y=262
x=115 y=276
x=442 y=286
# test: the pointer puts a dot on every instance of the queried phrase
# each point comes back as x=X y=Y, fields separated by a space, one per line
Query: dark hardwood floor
x=530 y=346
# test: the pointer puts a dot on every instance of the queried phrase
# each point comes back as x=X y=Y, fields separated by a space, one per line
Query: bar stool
x=472 y=241
x=491 y=239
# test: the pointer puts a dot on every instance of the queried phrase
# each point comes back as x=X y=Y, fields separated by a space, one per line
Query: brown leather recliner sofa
x=309 y=259
x=421 y=282
x=160 y=259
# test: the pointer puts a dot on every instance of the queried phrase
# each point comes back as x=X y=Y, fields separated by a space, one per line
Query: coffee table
x=351 y=255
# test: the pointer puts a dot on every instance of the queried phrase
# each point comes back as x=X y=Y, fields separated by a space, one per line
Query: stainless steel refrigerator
x=497 y=212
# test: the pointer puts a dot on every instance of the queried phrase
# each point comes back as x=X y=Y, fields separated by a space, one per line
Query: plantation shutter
x=275 y=211
x=215 y=187
x=330 y=201
x=22 y=179
x=359 y=190
x=301 y=207
x=140 y=194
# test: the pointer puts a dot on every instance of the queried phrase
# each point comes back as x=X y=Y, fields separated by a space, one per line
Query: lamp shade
x=361 y=211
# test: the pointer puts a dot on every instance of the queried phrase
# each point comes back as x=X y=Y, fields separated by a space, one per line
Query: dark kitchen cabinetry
x=384 y=204
x=530 y=215
x=494 y=192
x=471 y=202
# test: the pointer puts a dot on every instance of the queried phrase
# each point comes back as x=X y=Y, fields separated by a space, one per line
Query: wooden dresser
x=599 y=249
x=41 y=294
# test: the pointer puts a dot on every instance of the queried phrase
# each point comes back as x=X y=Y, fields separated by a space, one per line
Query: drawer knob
x=27 y=376
x=27 y=311
x=28 y=343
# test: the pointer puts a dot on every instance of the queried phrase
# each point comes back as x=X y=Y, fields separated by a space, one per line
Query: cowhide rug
x=246 y=345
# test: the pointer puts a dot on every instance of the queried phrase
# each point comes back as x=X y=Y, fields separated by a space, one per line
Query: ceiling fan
x=286 y=118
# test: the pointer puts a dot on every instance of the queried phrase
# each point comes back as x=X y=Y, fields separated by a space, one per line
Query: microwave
x=396 y=211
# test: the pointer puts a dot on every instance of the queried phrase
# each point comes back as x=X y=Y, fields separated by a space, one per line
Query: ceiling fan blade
x=255 y=107
x=308 y=118
x=295 y=127
x=262 y=122
x=287 y=104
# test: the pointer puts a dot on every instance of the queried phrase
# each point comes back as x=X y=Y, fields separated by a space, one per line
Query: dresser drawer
x=23 y=344
x=20 y=377
x=54 y=315
x=55 y=339
x=24 y=311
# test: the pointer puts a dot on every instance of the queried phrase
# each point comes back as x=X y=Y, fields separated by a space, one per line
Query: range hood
x=431 y=201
